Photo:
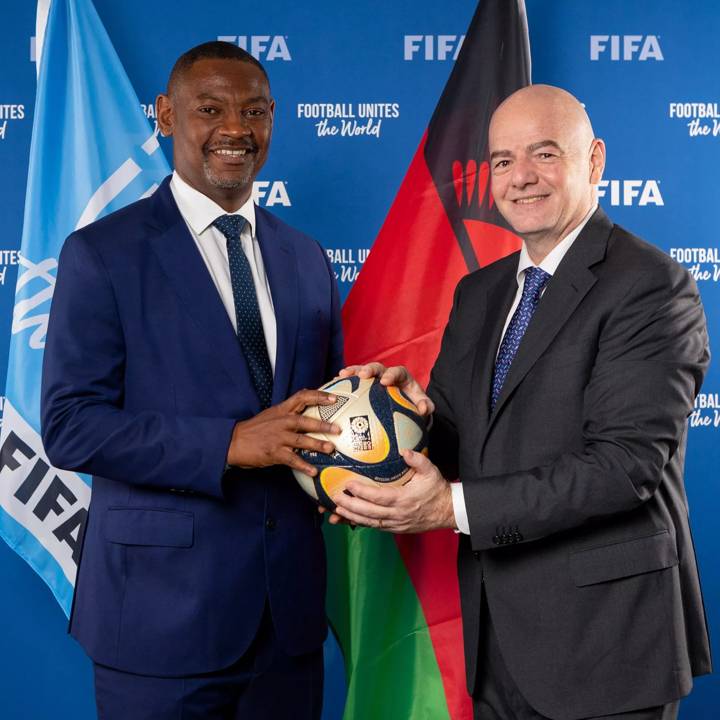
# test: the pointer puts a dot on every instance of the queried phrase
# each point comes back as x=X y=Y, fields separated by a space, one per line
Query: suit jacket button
x=476 y=553
x=270 y=523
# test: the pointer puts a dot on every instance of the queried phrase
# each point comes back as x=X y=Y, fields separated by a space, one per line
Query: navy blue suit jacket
x=143 y=382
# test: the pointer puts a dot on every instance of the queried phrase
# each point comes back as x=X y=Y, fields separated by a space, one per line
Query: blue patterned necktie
x=535 y=281
x=247 y=312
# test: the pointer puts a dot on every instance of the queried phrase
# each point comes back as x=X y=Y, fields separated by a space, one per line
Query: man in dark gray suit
x=560 y=397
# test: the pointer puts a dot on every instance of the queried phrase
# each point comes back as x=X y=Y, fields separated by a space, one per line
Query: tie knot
x=230 y=226
x=535 y=280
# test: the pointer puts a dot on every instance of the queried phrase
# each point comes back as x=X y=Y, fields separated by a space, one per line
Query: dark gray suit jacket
x=574 y=484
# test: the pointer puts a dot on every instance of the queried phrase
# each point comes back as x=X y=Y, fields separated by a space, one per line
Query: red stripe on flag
x=491 y=242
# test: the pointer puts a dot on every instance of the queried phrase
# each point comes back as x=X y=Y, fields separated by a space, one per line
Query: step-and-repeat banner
x=355 y=86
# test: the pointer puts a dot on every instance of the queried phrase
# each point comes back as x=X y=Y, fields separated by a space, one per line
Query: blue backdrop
x=645 y=70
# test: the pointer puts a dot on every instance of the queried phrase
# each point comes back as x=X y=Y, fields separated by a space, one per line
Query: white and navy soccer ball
x=377 y=423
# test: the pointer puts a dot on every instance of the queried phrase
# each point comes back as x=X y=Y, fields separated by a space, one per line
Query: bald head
x=550 y=104
x=546 y=163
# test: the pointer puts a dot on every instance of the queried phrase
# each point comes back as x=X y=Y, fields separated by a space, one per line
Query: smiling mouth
x=229 y=153
x=232 y=152
x=529 y=200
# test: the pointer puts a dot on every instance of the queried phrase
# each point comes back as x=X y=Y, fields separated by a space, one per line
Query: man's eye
x=501 y=164
x=208 y=110
x=254 y=112
x=546 y=155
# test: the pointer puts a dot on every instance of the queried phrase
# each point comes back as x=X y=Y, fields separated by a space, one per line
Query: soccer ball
x=377 y=422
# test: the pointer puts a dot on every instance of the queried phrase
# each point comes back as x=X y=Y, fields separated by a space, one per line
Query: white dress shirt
x=199 y=213
x=549 y=264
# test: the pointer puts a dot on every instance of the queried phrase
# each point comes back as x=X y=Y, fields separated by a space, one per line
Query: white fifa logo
x=625 y=47
x=269 y=193
x=631 y=192
x=432 y=47
x=261 y=47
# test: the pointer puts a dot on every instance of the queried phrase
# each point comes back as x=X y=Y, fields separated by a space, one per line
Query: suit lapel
x=565 y=291
x=498 y=301
x=281 y=268
x=188 y=275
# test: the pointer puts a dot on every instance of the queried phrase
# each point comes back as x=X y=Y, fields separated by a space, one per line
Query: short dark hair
x=213 y=50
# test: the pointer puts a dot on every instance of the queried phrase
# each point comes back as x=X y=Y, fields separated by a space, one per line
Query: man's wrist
x=448 y=510
x=231 y=460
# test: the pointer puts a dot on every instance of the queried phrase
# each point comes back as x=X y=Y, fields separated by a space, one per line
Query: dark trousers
x=265 y=684
x=497 y=697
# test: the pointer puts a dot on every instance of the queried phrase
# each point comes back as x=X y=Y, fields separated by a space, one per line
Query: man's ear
x=164 y=114
x=597 y=161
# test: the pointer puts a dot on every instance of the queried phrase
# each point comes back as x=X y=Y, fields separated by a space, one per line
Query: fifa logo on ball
x=360 y=428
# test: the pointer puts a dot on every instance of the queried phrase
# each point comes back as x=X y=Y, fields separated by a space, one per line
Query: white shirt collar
x=200 y=211
x=552 y=259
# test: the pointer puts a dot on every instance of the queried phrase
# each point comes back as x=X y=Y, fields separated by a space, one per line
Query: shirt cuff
x=458 y=500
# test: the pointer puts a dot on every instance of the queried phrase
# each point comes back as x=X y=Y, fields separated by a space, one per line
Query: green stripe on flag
x=376 y=615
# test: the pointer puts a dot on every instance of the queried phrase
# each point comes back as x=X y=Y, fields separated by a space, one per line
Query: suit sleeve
x=443 y=437
x=651 y=359
x=84 y=425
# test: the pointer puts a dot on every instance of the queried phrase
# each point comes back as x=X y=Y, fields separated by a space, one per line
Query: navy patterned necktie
x=247 y=312
x=535 y=281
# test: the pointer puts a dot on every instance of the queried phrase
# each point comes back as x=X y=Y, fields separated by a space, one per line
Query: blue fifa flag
x=92 y=152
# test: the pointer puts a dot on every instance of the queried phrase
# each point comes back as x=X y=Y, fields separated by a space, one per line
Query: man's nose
x=523 y=173
x=235 y=124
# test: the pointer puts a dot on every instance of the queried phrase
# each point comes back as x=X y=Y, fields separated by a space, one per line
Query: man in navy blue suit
x=182 y=332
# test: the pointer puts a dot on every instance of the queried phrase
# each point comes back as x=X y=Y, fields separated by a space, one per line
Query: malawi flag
x=394 y=603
